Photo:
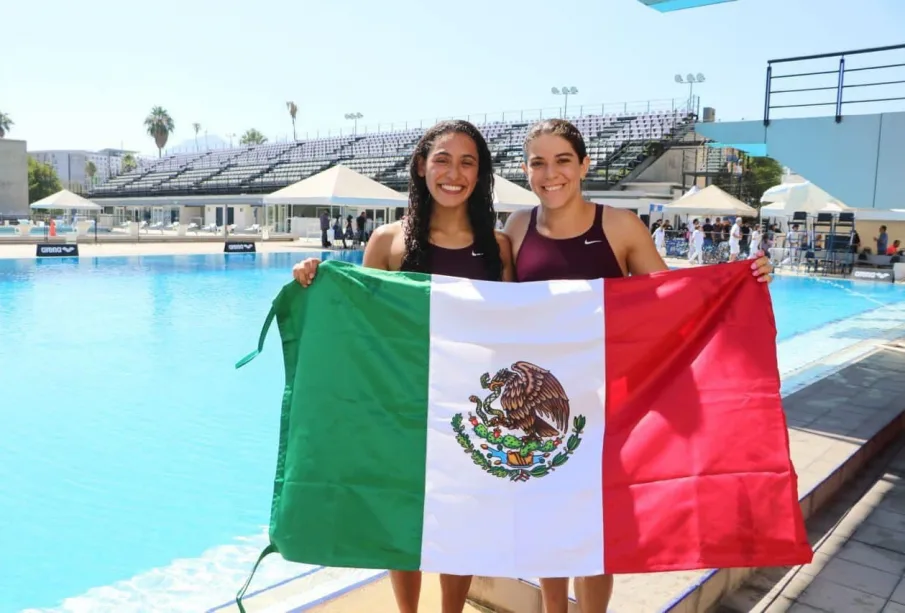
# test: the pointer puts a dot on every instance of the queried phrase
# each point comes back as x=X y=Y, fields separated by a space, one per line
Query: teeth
x=451 y=188
x=553 y=188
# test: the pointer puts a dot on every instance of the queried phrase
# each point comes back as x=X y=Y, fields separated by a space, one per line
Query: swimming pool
x=133 y=451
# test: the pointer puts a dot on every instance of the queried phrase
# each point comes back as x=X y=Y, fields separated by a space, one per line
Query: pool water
x=129 y=439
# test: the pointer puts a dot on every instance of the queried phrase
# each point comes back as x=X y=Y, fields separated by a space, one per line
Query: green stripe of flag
x=367 y=515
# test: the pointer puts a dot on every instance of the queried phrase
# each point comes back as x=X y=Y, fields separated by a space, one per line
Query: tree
x=42 y=180
x=6 y=123
x=129 y=163
x=159 y=125
x=90 y=170
x=252 y=137
x=197 y=128
x=760 y=174
x=293 y=110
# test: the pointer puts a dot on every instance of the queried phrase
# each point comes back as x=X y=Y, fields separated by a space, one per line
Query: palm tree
x=90 y=170
x=252 y=137
x=197 y=128
x=6 y=123
x=293 y=110
x=160 y=125
x=129 y=163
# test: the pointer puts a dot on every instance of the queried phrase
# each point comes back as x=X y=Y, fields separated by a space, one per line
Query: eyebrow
x=445 y=152
x=568 y=154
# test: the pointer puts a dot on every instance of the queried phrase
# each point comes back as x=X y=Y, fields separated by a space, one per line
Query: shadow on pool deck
x=859 y=540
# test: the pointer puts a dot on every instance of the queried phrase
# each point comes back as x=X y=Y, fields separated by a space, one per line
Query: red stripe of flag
x=696 y=465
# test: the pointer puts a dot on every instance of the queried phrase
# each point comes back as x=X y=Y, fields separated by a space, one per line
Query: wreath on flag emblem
x=531 y=398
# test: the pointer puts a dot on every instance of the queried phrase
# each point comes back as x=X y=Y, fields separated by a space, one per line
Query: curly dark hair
x=481 y=214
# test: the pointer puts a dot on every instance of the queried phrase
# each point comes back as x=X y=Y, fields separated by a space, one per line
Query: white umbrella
x=710 y=201
x=67 y=201
x=338 y=186
x=508 y=196
x=788 y=198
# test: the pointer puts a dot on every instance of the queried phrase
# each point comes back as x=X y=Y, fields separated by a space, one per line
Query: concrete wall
x=13 y=177
x=859 y=161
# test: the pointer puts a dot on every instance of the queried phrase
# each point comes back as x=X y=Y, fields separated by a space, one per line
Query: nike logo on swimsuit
x=477 y=255
x=587 y=242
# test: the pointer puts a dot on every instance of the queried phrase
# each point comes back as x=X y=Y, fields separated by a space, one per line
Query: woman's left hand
x=763 y=268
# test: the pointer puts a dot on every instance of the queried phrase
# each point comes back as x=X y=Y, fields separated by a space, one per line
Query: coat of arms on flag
x=524 y=439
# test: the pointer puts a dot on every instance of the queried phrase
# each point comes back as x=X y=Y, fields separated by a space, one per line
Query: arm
x=506 y=256
x=641 y=257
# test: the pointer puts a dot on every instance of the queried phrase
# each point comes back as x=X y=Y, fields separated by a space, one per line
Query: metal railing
x=839 y=72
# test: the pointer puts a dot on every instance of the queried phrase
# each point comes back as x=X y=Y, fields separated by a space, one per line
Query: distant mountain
x=205 y=143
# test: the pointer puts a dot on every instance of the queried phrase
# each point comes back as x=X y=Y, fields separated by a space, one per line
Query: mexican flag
x=545 y=429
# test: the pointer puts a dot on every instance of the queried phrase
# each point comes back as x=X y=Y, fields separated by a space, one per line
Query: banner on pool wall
x=57 y=251
x=239 y=247
x=872 y=275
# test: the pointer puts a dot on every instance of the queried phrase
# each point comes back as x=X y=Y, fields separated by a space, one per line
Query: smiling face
x=451 y=169
x=554 y=170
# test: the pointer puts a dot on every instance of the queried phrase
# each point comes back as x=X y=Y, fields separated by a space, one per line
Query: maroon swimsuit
x=585 y=257
x=464 y=263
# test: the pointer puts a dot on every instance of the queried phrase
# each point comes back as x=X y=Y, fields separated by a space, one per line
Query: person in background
x=708 y=232
x=696 y=244
x=882 y=241
x=325 y=225
x=793 y=244
x=746 y=239
x=660 y=239
x=894 y=248
x=735 y=240
x=754 y=242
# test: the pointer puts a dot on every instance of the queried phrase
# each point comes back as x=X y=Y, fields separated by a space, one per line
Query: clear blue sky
x=76 y=75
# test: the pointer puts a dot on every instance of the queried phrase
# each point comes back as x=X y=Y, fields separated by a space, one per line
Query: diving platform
x=857 y=158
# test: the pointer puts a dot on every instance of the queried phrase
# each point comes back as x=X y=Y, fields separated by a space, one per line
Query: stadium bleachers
x=616 y=142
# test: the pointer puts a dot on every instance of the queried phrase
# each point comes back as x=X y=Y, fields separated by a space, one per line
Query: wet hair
x=562 y=128
x=481 y=214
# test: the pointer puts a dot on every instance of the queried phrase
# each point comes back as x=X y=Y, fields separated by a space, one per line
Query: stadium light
x=565 y=91
x=690 y=79
x=354 y=117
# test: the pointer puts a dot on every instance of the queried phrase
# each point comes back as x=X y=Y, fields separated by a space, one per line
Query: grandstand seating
x=616 y=143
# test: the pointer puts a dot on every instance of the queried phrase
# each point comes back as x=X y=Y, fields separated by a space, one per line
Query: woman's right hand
x=304 y=271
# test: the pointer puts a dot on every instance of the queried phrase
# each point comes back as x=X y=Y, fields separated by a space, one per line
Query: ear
x=524 y=168
x=422 y=167
x=585 y=165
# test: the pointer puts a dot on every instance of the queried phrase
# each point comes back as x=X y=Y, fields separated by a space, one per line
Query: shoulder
x=623 y=220
x=518 y=221
x=384 y=237
x=388 y=231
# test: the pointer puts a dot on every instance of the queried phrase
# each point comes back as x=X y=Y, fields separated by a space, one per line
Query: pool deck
x=859 y=540
x=836 y=425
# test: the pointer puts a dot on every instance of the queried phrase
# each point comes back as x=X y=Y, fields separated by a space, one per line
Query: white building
x=70 y=165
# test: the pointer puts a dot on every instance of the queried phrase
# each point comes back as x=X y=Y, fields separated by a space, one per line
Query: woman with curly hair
x=448 y=230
